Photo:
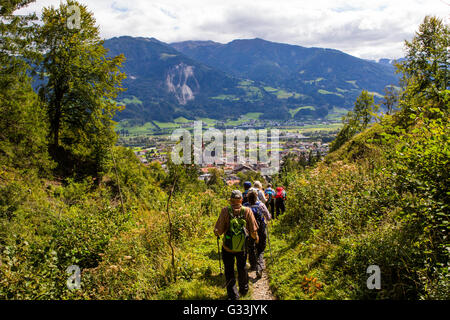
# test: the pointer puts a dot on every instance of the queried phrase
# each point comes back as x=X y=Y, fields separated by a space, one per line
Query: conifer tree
x=22 y=119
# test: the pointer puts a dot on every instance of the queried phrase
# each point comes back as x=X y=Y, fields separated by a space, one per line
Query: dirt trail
x=261 y=289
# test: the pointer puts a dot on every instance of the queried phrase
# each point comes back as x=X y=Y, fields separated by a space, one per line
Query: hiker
x=261 y=195
x=247 y=186
x=236 y=222
x=280 y=198
x=262 y=216
x=270 y=195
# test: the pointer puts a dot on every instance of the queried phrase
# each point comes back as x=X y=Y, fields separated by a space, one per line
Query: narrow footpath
x=261 y=289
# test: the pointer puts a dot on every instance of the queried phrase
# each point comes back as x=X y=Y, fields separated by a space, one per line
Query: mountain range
x=206 y=79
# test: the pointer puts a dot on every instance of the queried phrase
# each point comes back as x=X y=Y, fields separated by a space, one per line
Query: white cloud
x=364 y=28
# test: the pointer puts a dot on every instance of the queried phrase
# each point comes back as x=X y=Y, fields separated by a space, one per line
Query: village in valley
x=297 y=139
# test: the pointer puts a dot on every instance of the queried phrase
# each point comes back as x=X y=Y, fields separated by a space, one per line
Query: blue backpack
x=270 y=192
x=259 y=216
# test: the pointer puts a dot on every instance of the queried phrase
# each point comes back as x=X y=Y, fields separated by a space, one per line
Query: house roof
x=233 y=182
x=243 y=167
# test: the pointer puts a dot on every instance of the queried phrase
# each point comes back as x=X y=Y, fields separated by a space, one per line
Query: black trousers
x=256 y=251
x=279 y=206
x=228 y=262
x=271 y=207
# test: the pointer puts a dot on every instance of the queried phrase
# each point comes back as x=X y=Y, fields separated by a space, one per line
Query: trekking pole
x=220 y=263
x=268 y=240
x=218 y=252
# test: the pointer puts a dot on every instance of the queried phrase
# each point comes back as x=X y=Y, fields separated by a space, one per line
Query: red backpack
x=280 y=193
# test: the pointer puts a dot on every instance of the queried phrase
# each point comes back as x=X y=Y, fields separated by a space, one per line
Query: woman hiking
x=270 y=196
x=236 y=222
x=280 y=198
x=262 y=217
x=259 y=188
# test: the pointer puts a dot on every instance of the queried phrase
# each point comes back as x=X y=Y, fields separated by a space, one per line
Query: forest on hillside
x=70 y=197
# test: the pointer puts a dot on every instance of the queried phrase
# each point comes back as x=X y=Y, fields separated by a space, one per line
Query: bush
x=382 y=199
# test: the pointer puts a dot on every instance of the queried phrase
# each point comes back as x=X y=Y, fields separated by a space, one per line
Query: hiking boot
x=249 y=267
x=259 y=274
x=243 y=293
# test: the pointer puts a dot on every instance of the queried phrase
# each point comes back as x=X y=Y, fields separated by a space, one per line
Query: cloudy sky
x=369 y=29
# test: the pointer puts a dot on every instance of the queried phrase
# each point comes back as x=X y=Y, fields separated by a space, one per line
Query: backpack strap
x=230 y=211
x=241 y=212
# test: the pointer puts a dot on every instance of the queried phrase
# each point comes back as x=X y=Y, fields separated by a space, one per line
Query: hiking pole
x=218 y=252
x=268 y=240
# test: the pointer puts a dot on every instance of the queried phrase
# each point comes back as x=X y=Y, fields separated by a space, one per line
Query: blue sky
x=367 y=29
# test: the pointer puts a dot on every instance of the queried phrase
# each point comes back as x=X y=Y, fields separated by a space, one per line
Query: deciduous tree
x=425 y=70
x=80 y=83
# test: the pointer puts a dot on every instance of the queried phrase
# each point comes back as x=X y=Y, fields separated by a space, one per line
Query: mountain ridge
x=208 y=79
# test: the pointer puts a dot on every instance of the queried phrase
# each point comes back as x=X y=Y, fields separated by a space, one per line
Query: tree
x=22 y=119
x=302 y=162
x=15 y=30
x=217 y=179
x=318 y=155
x=186 y=176
x=80 y=83
x=311 y=159
x=390 y=99
x=344 y=135
x=357 y=120
x=426 y=66
x=363 y=111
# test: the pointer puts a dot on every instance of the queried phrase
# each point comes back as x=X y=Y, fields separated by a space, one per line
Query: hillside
x=205 y=79
x=381 y=199
x=320 y=76
x=163 y=84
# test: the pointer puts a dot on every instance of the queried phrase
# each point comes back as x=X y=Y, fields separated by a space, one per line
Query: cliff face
x=182 y=83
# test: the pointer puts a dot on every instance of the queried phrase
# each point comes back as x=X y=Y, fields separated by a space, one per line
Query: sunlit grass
x=293 y=112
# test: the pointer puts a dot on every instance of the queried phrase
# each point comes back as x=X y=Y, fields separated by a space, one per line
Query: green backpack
x=236 y=235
